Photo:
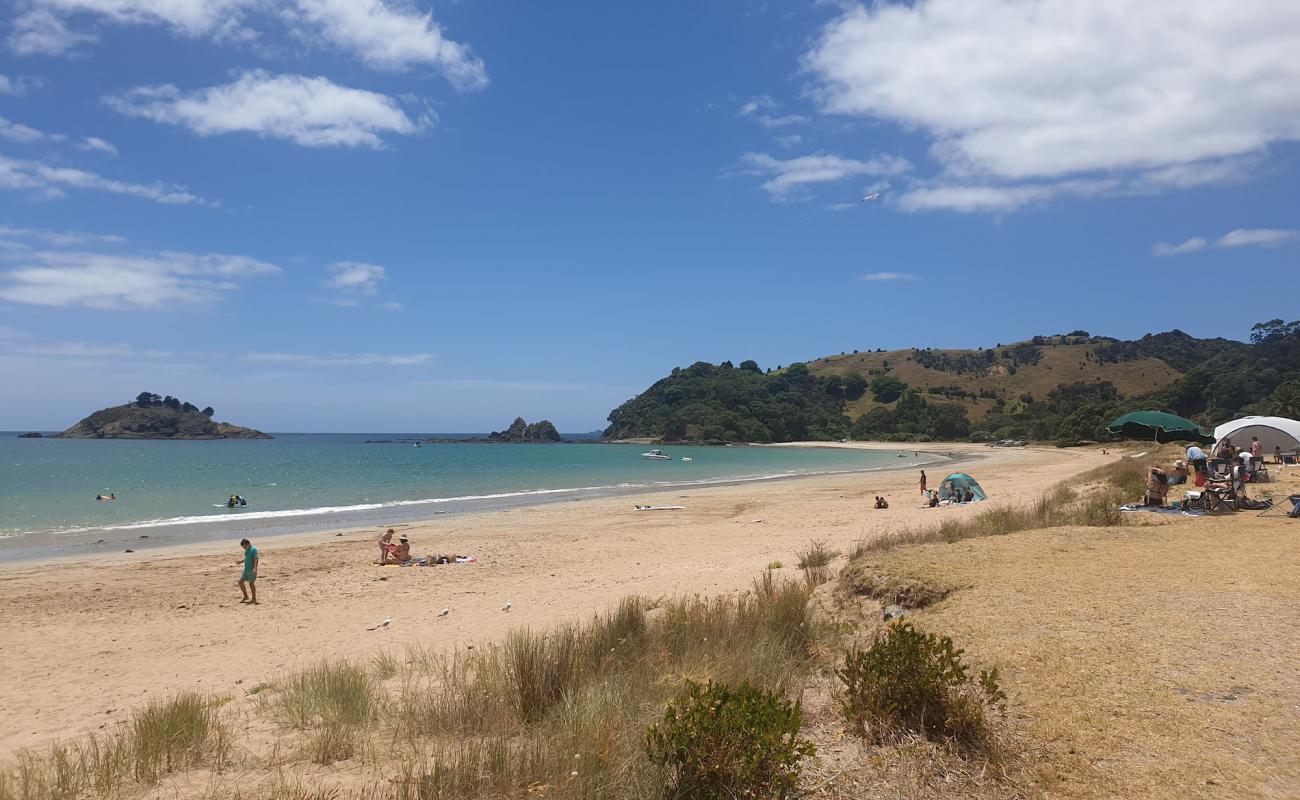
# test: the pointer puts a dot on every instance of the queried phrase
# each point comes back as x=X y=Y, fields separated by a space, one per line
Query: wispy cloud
x=50 y=182
x=314 y=112
x=1008 y=124
x=758 y=108
x=890 y=276
x=95 y=144
x=58 y=238
x=788 y=176
x=15 y=87
x=355 y=277
x=17 y=132
x=380 y=34
x=1241 y=237
x=342 y=359
x=166 y=280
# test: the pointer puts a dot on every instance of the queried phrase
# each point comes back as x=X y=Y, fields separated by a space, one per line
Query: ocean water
x=169 y=490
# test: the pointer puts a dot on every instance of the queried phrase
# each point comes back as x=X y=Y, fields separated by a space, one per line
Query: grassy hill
x=1062 y=388
x=975 y=380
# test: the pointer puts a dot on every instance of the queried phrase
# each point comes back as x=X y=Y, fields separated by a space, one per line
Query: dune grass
x=1105 y=489
x=562 y=713
x=161 y=738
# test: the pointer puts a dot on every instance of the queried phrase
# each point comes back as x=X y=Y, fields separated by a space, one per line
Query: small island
x=30 y=435
x=150 y=416
x=519 y=432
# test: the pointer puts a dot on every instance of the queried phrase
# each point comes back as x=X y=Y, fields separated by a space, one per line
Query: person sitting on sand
x=882 y=502
x=1157 y=487
x=968 y=496
x=402 y=553
x=934 y=499
x=1179 y=474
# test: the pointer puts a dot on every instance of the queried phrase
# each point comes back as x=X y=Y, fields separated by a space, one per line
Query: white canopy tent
x=1272 y=432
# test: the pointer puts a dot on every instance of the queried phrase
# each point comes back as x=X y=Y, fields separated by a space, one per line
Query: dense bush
x=909 y=681
x=710 y=403
x=733 y=743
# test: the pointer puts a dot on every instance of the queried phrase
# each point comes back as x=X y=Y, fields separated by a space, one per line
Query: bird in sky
x=444 y=612
x=868 y=198
x=506 y=607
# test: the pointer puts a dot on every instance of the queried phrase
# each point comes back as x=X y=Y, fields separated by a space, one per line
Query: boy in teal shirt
x=248 y=580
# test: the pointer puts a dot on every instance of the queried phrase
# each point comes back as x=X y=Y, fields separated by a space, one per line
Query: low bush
x=815 y=561
x=909 y=681
x=722 y=742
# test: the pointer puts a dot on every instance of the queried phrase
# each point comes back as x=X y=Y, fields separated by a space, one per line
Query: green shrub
x=916 y=682
x=723 y=742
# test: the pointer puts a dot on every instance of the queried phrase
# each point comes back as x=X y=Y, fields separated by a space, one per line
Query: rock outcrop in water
x=154 y=417
x=521 y=431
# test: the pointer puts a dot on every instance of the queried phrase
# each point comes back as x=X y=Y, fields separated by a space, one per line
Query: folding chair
x=1278 y=509
x=1216 y=497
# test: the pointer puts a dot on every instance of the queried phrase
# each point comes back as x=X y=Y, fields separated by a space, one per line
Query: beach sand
x=83 y=641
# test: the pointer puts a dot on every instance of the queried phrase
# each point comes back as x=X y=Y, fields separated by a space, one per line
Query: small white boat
x=656 y=455
x=687 y=458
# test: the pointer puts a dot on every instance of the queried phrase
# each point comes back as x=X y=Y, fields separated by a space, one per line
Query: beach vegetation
x=909 y=681
x=717 y=741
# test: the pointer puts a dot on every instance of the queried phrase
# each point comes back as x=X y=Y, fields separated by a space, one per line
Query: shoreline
x=118 y=630
x=154 y=537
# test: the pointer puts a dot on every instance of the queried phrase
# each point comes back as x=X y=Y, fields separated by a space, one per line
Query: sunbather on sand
x=1157 y=487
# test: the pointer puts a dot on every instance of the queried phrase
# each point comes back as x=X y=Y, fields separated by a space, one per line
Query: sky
x=375 y=215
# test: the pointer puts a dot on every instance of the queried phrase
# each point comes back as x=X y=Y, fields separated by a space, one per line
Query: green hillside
x=1061 y=388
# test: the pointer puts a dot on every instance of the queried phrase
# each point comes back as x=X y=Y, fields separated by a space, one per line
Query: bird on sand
x=507 y=606
x=444 y=612
x=387 y=621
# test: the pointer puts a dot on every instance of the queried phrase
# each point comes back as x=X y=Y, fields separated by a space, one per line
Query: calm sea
x=169 y=490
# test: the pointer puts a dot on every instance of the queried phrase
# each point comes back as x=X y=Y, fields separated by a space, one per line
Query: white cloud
x=17 y=132
x=1190 y=246
x=790 y=140
x=52 y=181
x=314 y=112
x=355 y=277
x=782 y=121
x=342 y=359
x=58 y=238
x=1012 y=91
x=891 y=276
x=97 y=145
x=1266 y=237
x=15 y=87
x=382 y=35
x=1241 y=237
x=790 y=175
x=760 y=103
x=107 y=281
x=42 y=32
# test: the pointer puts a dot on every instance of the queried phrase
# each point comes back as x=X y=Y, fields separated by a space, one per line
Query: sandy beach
x=83 y=641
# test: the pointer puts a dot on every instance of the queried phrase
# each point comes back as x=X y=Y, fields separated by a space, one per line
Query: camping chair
x=1278 y=508
x=1214 y=498
x=1259 y=469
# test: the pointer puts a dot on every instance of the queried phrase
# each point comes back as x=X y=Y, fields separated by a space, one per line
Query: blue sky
x=343 y=215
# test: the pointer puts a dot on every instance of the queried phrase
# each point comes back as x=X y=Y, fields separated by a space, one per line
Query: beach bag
x=1200 y=478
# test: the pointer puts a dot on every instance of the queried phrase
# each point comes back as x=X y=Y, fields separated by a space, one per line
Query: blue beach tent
x=960 y=481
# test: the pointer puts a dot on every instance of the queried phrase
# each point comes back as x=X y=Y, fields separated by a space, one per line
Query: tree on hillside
x=208 y=412
x=750 y=366
x=854 y=386
x=887 y=389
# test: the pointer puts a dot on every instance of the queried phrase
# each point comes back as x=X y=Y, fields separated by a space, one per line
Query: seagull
x=387 y=621
x=506 y=607
x=868 y=198
x=444 y=612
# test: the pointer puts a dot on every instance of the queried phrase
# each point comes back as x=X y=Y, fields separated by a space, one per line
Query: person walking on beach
x=923 y=493
x=248 y=578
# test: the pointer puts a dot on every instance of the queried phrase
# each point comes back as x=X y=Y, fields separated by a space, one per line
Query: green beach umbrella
x=1161 y=427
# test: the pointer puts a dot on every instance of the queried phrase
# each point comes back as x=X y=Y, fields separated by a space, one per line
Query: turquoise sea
x=175 y=490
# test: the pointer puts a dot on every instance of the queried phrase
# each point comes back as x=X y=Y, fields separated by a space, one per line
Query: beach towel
x=1132 y=508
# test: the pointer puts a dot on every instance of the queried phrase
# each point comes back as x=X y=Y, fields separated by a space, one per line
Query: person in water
x=109 y=496
x=248 y=578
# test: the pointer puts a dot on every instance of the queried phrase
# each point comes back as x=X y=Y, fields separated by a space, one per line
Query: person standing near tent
x=923 y=493
x=1196 y=459
x=1256 y=449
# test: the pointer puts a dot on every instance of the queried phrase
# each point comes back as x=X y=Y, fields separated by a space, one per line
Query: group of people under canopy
x=1230 y=466
x=956 y=488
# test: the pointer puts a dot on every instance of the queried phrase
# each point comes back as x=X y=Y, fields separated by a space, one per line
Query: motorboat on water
x=687 y=458
x=656 y=455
